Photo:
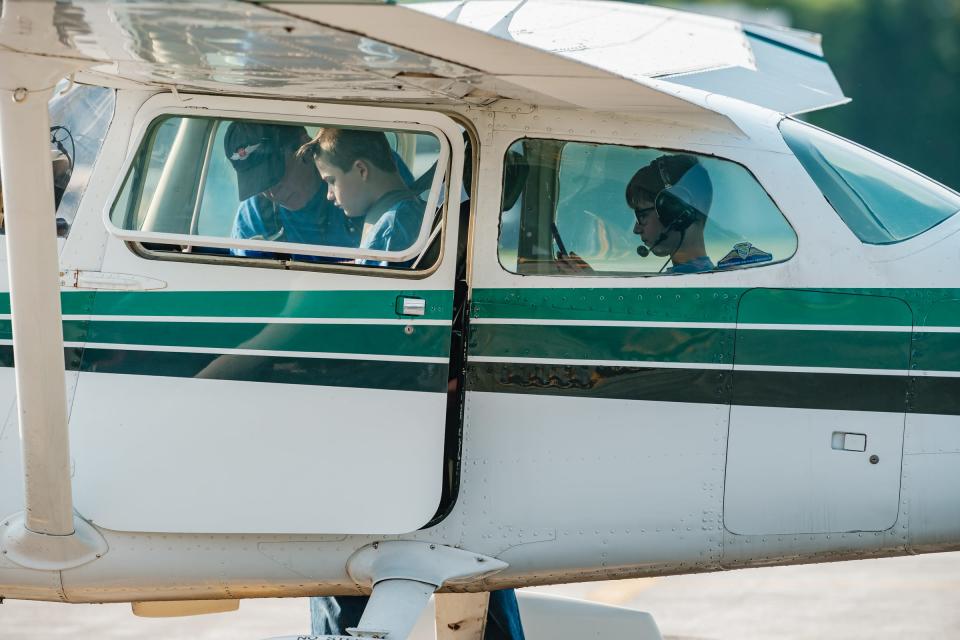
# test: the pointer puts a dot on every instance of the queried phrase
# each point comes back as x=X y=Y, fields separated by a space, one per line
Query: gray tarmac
x=913 y=597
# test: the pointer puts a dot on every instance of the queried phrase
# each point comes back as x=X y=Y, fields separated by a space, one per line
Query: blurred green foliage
x=900 y=62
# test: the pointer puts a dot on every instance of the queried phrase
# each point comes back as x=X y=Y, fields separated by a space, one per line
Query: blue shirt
x=397 y=228
x=319 y=222
x=697 y=265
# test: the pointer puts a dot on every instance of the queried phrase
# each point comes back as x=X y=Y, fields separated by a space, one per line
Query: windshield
x=881 y=201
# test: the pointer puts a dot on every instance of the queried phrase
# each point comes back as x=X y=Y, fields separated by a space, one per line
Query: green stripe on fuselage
x=713 y=305
x=640 y=344
x=255 y=304
x=843 y=349
x=397 y=340
x=654 y=305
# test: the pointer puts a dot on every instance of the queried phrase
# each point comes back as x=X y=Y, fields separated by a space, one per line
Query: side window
x=284 y=192
x=573 y=208
x=880 y=200
x=79 y=119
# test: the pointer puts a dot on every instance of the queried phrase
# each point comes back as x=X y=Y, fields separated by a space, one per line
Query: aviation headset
x=685 y=195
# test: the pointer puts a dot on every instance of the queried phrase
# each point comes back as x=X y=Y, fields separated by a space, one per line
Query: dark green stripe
x=625 y=383
x=651 y=344
x=424 y=340
x=852 y=349
x=935 y=395
x=399 y=376
x=836 y=391
x=846 y=392
x=373 y=374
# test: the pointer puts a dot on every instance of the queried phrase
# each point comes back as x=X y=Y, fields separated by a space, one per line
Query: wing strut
x=47 y=534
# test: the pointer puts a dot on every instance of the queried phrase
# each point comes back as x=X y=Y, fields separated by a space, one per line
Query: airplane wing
x=780 y=69
x=340 y=50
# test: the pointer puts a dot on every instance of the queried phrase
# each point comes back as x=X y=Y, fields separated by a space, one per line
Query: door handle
x=843 y=441
x=409 y=306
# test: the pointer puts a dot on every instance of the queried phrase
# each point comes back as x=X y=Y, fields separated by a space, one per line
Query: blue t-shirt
x=697 y=265
x=397 y=228
x=319 y=222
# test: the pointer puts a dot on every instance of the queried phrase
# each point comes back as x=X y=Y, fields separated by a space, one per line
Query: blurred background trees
x=900 y=62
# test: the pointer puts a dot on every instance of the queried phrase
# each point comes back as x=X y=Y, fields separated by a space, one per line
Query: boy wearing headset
x=671 y=198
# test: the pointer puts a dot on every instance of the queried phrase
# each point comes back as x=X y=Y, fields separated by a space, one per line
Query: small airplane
x=576 y=297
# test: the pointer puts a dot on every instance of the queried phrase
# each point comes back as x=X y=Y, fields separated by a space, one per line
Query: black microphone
x=643 y=250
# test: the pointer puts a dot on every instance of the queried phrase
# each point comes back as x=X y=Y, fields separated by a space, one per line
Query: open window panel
x=589 y=209
x=350 y=187
x=239 y=399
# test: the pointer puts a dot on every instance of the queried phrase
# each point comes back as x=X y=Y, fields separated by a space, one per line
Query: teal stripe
x=845 y=349
x=942 y=313
x=278 y=304
x=641 y=344
x=654 y=305
x=432 y=341
x=936 y=352
x=793 y=306
x=714 y=305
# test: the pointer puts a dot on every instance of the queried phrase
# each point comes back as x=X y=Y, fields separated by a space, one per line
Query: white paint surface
x=206 y=456
x=783 y=476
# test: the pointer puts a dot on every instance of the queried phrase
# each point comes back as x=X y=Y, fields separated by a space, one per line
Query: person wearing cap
x=671 y=199
x=282 y=196
x=363 y=179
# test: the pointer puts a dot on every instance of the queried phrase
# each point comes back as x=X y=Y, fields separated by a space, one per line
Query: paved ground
x=913 y=597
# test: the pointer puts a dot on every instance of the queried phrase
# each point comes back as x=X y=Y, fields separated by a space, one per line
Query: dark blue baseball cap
x=258 y=152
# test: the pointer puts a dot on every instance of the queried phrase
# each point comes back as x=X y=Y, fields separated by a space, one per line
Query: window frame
x=867 y=152
x=666 y=148
x=161 y=106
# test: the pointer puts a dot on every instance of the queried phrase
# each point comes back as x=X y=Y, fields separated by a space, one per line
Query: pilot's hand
x=572 y=265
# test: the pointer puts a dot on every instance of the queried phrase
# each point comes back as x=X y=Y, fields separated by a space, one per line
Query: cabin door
x=264 y=393
x=816 y=426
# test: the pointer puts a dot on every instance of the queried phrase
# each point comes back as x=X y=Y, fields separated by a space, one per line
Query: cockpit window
x=880 y=200
x=573 y=208
x=284 y=192
x=79 y=118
